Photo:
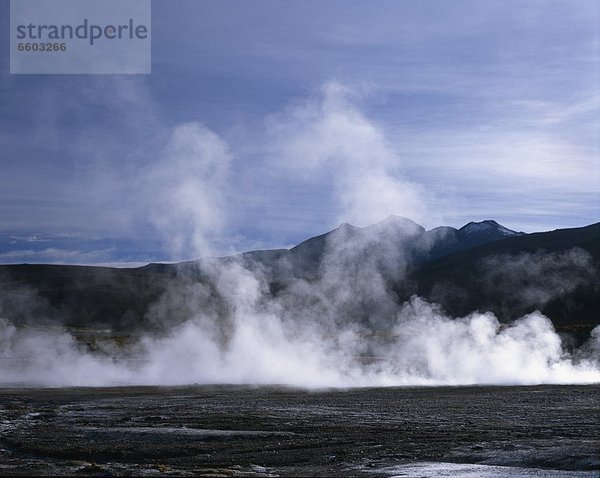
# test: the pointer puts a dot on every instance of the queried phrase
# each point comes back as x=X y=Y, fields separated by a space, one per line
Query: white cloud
x=532 y=162
x=550 y=113
x=520 y=159
x=53 y=255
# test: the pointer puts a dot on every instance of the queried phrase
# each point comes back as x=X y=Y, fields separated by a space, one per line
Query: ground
x=262 y=431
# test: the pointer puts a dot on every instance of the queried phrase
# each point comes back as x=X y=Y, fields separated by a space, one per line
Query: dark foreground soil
x=269 y=431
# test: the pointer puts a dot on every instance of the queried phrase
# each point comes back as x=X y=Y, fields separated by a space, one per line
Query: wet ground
x=542 y=431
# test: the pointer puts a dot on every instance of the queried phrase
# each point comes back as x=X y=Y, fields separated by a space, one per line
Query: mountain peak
x=393 y=218
x=398 y=223
x=346 y=225
x=488 y=226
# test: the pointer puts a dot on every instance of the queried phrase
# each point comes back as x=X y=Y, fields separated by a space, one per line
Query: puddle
x=458 y=470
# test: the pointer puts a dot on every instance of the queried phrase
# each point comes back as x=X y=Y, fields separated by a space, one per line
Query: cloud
x=511 y=160
x=531 y=167
x=549 y=113
x=52 y=255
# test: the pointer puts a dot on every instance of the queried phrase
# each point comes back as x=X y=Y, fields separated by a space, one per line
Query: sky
x=264 y=123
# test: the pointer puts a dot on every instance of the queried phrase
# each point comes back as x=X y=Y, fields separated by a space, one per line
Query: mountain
x=555 y=272
x=393 y=237
x=388 y=236
x=480 y=266
x=447 y=240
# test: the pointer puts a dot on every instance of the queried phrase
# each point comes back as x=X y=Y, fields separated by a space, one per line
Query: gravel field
x=229 y=430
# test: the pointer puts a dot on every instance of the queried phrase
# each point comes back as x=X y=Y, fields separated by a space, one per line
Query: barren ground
x=262 y=431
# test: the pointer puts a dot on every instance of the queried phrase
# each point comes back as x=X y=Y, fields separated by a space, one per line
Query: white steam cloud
x=514 y=274
x=328 y=135
x=187 y=190
x=339 y=325
x=424 y=348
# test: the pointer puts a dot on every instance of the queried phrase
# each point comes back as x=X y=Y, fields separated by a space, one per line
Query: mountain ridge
x=441 y=265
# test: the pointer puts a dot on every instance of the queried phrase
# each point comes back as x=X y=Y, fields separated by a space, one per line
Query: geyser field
x=352 y=308
x=423 y=347
x=301 y=238
x=376 y=350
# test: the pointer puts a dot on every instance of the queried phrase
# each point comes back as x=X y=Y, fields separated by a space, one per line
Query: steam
x=514 y=274
x=330 y=321
x=221 y=323
x=327 y=135
x=339 y=325
x=187 y=187
x=425 y=347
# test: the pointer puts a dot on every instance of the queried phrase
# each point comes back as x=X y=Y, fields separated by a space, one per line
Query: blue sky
x=264 y=123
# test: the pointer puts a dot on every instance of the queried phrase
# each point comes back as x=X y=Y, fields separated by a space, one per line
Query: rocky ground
x=277 y=431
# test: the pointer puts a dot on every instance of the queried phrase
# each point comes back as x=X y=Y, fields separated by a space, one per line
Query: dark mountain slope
x=447 y=240
x=395 y=237
x=80 y=296
x=555 y=272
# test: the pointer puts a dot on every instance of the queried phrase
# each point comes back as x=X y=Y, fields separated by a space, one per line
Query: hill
x=362 y=273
